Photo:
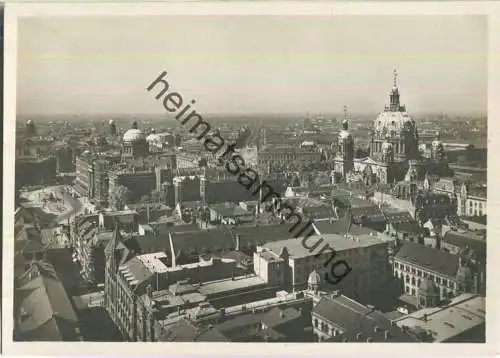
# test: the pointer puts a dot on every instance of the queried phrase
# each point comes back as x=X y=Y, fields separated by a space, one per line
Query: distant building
x=431 y=276
x=470 y=199
x=289 y=262
x=134 y=144
x=344 y=160
x=142 y=290
x=401 y=225
x=30 y=128
x=139 y=182
x=84 y=174
x=101 y=169
x=394 y=147
x=287 y=157
x=35 y=170
x=65 y=157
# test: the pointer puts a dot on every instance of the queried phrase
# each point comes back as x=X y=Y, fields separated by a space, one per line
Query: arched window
x=316 y=323
x=413 y=281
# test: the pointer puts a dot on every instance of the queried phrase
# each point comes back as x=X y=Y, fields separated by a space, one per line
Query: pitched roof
x=212 y=335
x=259 y=235
x=196 y=242
x=42 y=302
x=277 y=316
x=357 y=320
x=463 y=241
x=340 y=227
x=181 y=331
x=407 y=227
x=429 y=258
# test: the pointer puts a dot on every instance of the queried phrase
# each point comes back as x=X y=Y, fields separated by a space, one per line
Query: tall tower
x=112 y=128
x=394 y=104
x=30 y=128
x=344 y=161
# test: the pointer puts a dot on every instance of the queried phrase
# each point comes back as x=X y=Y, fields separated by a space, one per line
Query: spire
x=394 y=95
x=345 y=121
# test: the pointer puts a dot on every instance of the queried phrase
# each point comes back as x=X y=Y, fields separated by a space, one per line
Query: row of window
x=325 y=328
x=423 y=274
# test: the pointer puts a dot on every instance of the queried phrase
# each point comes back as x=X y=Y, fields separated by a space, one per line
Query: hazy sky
x=262 y=64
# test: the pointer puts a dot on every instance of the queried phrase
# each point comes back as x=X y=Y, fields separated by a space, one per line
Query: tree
x=156 y=196
x=120 y=197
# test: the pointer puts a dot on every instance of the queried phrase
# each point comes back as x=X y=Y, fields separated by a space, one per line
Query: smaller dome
x=133 y=135
x=111 y=121
x=153 y=137
x=428 y=288
x=29 y=121
x=314 y=279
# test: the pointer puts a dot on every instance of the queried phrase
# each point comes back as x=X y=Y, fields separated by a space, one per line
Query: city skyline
x=327 y=64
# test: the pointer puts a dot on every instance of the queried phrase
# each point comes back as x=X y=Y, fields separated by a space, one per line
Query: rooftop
x=42 y=306
x=340 y=243
x=463 y=313
x=358 y=322
x=231 y=284
x=153 y=262
x=428 y=258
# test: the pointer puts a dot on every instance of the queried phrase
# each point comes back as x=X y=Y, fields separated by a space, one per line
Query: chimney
x=386 y=335
x=425 y=317
x=237 y=237
x=282 y=314
x=476 y=283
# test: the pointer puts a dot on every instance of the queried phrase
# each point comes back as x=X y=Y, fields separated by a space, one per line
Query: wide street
x=76 y=207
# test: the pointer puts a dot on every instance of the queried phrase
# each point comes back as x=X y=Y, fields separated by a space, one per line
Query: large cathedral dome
x=394 y=124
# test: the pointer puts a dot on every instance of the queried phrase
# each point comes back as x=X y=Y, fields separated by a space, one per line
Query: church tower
x=344 y=161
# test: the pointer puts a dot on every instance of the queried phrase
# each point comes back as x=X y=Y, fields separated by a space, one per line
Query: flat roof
x=198 y=264
x=338 y=242
x=153 y=263
x=463 y=313
x=226 y=285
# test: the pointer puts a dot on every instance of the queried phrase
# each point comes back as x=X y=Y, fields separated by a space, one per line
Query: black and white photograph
x=253 y=178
